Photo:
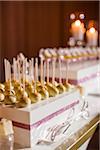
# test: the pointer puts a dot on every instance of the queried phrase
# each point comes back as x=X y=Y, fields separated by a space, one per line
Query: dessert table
x=80 y=131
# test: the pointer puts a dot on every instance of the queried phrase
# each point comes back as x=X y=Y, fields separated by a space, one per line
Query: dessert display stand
x=79 y=133
x=30 y=122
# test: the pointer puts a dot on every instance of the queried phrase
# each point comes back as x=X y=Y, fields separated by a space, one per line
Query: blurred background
x=27 y=26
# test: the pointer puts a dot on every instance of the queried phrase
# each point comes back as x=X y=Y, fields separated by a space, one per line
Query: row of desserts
x=22 y=83
x=73 y=54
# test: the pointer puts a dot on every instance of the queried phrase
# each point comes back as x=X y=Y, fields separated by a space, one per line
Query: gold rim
x=81 y=136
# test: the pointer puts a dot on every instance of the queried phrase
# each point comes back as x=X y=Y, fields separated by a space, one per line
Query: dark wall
x=28 y=26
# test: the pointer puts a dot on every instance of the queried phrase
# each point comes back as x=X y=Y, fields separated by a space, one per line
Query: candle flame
x=77 y=22
x=92 y=30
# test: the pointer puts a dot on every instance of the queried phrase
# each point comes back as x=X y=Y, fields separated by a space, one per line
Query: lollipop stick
x=41 y=71
x=67 y=68
x=9 y=74
x=53 y=71
x=7 y=67
x=36 y=73
x=47 y=69
x=13 y=68
x=5 y=64
x=16 y=73
x=60 y=81
x=24 y=72
x=32 y=60
x=19 y=73
x=8 y=71
x=44 y=71
x=36 y=69
x=30 y=70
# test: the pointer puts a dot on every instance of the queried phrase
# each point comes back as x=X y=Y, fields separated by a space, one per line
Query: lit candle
x=92 y=37
x=78 y=30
